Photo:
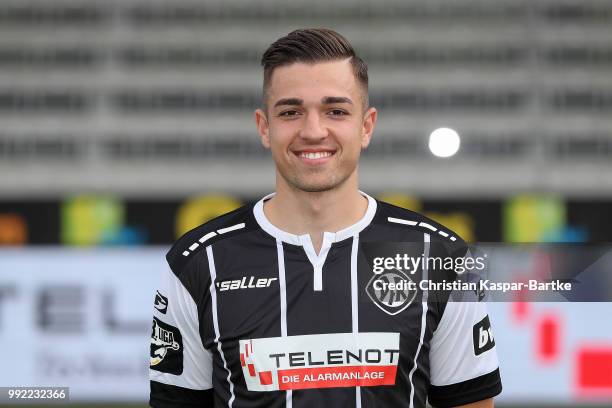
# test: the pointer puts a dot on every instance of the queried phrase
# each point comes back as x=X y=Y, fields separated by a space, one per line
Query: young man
x=285 y=303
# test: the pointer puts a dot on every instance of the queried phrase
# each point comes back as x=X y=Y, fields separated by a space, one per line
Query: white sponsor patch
x=320 y=361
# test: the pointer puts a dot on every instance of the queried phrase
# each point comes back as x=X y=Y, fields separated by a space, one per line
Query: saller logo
x=392 y=291
x=245 y=283
x=320 y=361
x=483 y=336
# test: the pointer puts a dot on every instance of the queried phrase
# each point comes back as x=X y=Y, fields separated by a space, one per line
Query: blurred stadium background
x=125 y=123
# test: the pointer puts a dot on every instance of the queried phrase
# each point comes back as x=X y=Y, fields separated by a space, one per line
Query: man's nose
x=313 y=128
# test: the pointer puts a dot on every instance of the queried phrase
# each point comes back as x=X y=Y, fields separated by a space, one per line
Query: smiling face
x=316 y=124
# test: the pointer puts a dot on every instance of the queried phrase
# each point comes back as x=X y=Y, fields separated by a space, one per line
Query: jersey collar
x=302 y=240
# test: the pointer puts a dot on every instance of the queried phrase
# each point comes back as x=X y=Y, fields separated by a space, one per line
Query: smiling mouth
x=315 y=155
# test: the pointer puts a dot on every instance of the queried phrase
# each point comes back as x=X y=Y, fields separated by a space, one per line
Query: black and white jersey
x=251 y=316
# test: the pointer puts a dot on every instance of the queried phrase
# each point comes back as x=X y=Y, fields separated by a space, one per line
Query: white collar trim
x=304 y=240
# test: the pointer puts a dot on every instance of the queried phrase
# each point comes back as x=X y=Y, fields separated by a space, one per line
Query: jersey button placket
x=317 y=261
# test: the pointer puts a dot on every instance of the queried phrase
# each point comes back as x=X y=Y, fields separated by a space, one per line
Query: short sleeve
x=463 y=361
x=180 y=367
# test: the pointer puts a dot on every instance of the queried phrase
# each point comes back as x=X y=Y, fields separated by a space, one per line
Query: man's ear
x=369 y=120
x=261 y=120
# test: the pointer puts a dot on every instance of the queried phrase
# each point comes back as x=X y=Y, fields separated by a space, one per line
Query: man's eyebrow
x=329 y=100
x=289 y=101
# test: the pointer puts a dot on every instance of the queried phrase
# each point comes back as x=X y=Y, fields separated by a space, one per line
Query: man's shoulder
x=193 y=243
x=444 y=243
x=392 y=215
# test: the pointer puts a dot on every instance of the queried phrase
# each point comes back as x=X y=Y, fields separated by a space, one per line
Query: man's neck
x=299 y=212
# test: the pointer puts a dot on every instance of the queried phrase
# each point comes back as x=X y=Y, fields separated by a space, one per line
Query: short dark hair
x=312 y=45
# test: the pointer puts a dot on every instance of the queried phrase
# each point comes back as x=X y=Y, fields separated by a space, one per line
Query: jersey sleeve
x=180 y=367
x=463 y=360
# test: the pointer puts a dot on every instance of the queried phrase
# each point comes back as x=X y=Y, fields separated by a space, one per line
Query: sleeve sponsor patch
x=161 y=302
x=166 y=348
x=483 y=336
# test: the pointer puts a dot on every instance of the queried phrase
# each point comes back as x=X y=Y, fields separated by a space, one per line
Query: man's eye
x=288 y=113
x=338 y=112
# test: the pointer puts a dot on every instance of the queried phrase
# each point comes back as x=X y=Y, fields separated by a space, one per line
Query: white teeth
x=317 y=155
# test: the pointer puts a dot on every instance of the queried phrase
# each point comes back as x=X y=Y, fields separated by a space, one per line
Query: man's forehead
x=325 y=70
x=317 y=81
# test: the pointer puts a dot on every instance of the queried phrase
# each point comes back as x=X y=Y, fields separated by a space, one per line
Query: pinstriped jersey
x=249 y=315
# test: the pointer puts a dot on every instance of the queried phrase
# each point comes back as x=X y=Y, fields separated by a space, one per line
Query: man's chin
x=316 y=183
x=316 y=186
